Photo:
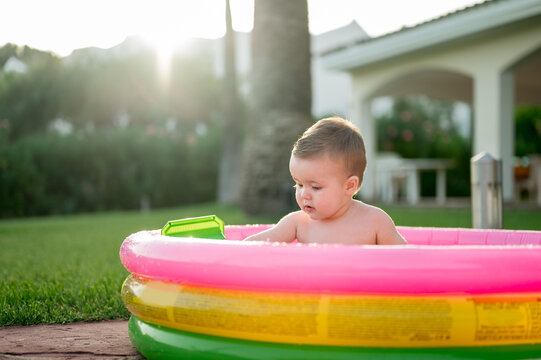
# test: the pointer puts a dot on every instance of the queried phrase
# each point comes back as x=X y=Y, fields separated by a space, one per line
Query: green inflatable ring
x=157 y=342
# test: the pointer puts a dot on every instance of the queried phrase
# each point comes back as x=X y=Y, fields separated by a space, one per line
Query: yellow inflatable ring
x=337 y=319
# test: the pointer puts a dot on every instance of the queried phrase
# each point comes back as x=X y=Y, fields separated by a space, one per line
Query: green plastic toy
x=205 y=227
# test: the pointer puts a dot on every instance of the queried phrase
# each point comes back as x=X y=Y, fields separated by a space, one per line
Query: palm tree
x=281 y=101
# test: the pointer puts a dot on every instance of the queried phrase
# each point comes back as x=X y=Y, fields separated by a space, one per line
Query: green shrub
x=49 y=174
x=527 y=130
x=419 y=127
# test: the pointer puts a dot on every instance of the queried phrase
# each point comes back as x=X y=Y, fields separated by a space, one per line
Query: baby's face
x=321 y=186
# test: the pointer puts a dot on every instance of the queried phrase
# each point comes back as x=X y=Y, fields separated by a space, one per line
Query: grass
x=513 y=218
x=66 y=269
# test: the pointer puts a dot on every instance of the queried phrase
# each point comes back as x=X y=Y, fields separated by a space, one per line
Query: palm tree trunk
x=280 y=104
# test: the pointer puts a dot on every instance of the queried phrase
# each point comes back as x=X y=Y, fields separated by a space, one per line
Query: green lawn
x=65 y=269
x=513 y=218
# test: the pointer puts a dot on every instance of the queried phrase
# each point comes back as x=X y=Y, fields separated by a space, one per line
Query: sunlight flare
x=165 y=45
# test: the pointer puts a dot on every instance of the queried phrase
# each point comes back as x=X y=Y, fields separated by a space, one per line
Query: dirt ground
x=98 y=340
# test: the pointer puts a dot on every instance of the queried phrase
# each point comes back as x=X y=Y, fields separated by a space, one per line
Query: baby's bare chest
x=337 y=234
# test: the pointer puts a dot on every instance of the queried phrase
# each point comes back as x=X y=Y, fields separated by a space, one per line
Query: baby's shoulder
x=295 y=218
x=377 y=222
x=369 y=211
x=364 y=207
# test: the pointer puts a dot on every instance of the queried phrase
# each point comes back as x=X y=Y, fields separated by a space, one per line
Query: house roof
x=339 y=38
x=15 y=65
x=449 y=27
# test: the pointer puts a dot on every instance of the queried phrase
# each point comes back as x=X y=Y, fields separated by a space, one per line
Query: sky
x=64 y=25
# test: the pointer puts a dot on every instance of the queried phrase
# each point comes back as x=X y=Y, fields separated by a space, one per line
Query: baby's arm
x=386 y=233
x=284 y=231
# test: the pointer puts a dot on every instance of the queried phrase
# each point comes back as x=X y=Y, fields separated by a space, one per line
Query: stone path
x=97 y=340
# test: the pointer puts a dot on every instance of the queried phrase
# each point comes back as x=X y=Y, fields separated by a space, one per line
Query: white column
x=361 y=116
x=413 y=192
x=440 y=186
x=494 y=121
x=507 y=121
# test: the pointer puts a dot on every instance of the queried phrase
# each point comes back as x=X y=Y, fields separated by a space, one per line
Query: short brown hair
x=336 y=137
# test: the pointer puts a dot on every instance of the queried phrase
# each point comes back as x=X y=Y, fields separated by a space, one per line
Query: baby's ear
x=352 y=184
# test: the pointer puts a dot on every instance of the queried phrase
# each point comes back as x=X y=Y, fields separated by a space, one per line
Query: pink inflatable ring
x=436 y=261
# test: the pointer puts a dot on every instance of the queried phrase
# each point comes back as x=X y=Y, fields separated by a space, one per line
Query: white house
x=331 y=89
x=15 y=65
x=487 y=55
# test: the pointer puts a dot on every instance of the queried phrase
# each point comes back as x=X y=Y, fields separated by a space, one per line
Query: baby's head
x=339 y=139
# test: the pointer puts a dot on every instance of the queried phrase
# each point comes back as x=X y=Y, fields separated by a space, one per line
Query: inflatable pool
x=449 y=293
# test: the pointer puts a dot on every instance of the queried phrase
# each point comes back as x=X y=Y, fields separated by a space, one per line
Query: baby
x=327 y=164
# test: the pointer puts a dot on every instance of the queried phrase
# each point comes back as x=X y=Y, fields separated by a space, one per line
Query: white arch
x=488 y=58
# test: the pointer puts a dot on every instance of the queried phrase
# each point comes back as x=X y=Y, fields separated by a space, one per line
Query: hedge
x=106 y=170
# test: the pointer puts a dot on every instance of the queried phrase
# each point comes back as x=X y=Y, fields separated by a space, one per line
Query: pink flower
x=407 y=135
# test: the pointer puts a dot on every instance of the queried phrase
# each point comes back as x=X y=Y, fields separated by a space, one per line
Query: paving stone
x=92 y=340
